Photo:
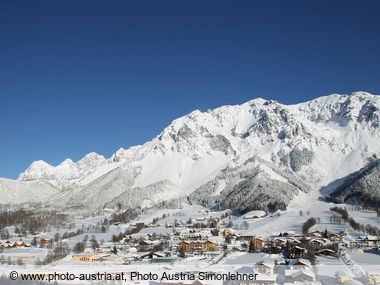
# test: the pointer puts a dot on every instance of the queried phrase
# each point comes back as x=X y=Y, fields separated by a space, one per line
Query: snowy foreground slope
x=258 y=155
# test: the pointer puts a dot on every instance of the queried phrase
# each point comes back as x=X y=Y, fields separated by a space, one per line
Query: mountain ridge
x=316 y=141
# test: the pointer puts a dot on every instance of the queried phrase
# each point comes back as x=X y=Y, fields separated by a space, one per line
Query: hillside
x=361 y=187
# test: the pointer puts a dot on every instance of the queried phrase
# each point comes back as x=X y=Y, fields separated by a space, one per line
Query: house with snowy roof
x=264 y=267
x=299 y=275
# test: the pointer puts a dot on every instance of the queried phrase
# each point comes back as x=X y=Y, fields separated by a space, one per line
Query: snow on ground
x=364 y=258
x=182 y=215
x=364 y=217
x=327 y=268
x=244 y=258
x=292 y=220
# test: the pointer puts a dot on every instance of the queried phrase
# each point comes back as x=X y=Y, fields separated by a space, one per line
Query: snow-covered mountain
x=65 y=173
x=256 y=155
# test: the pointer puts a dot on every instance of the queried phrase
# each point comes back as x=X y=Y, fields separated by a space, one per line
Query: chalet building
x=364 y=241
x=8 y=244
x=297 y=264
x=185 y=246
x=192 y=234
x=264 y=268
x=357 y=243
x=150 y=255
x=20 y=244
x=190 y=246
x=45 y=242
x=335 y=237
x=228 y=232
x=373 y=278
x=88 y=257
x=298 y=276
x=318 y=242
x=326 y=252
x=297 y=252
x=259 y=243
x=17 y=244
x=370 y=241
x=289 y=240
x=147 y=245
x=154 y=257
x=293 y=241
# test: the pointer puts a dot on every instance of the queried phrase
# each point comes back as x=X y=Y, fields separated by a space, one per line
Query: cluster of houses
x=325 y=243
x=285 y=272
x=43 y=243
x=295 y=245
x=362 y=242
x=187 y=242
x=266 y=273
x=20 y=252
x=282 y=271
x=163 y=244
x=13 y=244
x=198 y=245
x=155 y=244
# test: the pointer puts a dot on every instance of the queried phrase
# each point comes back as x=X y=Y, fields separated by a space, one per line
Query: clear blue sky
x=82 y=76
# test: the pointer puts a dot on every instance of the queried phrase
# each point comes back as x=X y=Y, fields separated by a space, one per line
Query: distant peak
x=362 y=94
x=258 y=100
x=40 y=164
x=92 y=156
x=67 y=161
x=120 y=151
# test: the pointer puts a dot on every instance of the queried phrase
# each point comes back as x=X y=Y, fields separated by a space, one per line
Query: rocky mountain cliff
x=257 y=155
